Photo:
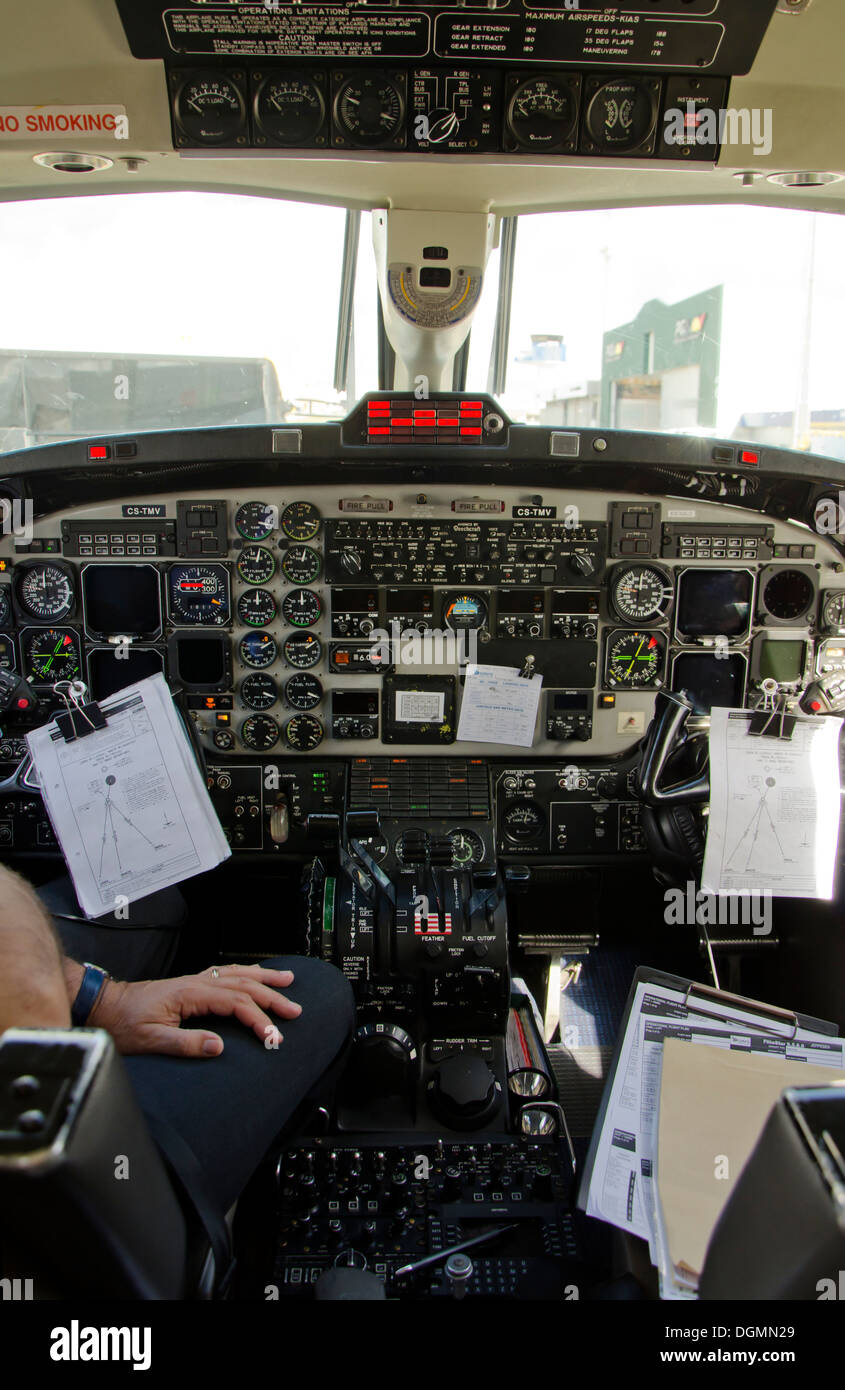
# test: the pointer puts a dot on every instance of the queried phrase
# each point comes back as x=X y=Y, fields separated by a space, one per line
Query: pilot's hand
x=146 y=1016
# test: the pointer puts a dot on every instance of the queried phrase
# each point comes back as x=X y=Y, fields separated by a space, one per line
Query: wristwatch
x=93 y=980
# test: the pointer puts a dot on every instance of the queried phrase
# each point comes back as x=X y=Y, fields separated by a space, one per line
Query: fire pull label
x=36 y=122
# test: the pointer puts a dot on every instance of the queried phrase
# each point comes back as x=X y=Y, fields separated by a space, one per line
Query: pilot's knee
x=319 y=987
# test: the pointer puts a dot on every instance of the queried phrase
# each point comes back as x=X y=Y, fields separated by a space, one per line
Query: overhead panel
x=720 y=36
x=551 y=79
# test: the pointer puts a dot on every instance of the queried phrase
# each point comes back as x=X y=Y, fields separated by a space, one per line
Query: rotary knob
x=582 y=563
x=351 y=560
x=464 y=1092
x=382 y=1061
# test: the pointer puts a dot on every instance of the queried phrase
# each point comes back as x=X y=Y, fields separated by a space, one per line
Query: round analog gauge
x=7 y=654
x=259 y=732
x=198 y=595
x=256 y=564
x=302 y=649
x=788 y=594
x=523 y=822
x=621 y=115
x=210 y=109
x=634 y=659
x=418 y=842
x=50 y=654
x=467 y=848
x=300 y=521
x=258 y=691
x=44 y=592
x=258 y=649
x=302 y=608
x=256 y=607
x=5 y=605
x=303 y=692
x=833 y=613
x=289 y=109
x=303 y=732
x=541 y=113
x=255 y=521
x=301 y=564
x=368 y=109
x=640 y=593
x=464 y=611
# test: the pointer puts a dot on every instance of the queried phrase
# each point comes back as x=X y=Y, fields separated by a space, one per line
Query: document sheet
x=774 y=808
x=620 y=1187
x=499 y=706
x=713 y=1107
x=127 y=803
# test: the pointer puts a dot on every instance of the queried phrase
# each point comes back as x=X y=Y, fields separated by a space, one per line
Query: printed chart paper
x=499 y=706
x=774 y=808
x=127 y=803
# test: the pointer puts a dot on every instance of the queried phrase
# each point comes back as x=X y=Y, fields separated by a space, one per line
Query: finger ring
x=215 y=973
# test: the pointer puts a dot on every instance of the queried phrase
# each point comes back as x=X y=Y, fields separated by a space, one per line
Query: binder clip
x=527 y=671
x=81 y=719
x=771 y=719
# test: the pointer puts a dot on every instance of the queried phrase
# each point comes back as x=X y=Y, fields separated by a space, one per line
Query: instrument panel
x=560 y=79
x=296 y=623
x=318 y=630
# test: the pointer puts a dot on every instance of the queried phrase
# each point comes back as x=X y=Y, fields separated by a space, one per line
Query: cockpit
x=422 y=602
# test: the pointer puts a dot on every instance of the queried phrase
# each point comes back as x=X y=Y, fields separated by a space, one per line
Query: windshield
x=708 y=320
x=169 y=310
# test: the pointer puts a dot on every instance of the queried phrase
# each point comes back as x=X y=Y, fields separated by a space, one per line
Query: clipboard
x=705 y=997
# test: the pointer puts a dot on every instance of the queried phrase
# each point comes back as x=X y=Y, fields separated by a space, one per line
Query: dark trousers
x=229 y=1109
x=226 y=1109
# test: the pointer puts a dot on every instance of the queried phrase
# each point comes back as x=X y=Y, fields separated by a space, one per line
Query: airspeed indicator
x=640 y=593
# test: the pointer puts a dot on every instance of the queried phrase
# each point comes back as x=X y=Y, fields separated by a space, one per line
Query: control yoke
x=665 y=735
